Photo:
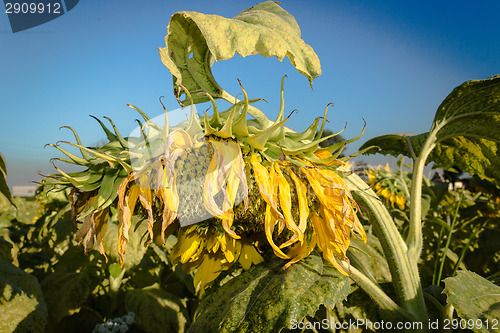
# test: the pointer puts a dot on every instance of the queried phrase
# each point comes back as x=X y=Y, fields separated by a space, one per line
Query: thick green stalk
x=414 y=239
x=375 y=292
x=405 y=276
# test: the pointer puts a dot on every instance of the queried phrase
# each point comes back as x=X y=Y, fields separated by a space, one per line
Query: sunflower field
x=233 y=222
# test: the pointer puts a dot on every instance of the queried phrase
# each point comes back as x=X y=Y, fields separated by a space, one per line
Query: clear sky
x=389 y=62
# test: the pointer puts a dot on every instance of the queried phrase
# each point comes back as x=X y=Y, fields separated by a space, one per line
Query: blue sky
x=389 y=62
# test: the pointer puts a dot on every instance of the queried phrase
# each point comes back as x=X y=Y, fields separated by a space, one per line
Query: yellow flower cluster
x=333 y=218
x=387 y=185
x=210 y=253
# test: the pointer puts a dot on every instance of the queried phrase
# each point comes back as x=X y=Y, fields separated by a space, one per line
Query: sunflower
x=389 y=185
x=229 y=187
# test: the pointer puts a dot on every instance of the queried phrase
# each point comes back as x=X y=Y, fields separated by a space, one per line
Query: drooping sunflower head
x=390 y=185
x=229 y=187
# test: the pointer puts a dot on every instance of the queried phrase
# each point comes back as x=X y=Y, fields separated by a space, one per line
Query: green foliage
x=369 y=259
x=77 y=291
x=464 y=132
x=195 y=41
x=22 y=304
x=4 y=189
x=67 y=292
x=135 y=245
x=475 y=299
x=157 y=310
x=266 y=298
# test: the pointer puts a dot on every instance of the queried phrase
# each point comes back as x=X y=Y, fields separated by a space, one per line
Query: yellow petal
x=179 y=139
x=226 y=173
x=285 y=200
x=392 y=199
x=301 y=189
x=249 y=256
x=325 y=244
x=209 y=269
x=126 y=203
x=100 y=221
x=400 y=200
x=269 y=223
x=211 y=187
x=147 y=202
x=301 y=250
x=213 y=242
x=188 y=248
x=167 y=192
x=264 y=182
x=232 y=250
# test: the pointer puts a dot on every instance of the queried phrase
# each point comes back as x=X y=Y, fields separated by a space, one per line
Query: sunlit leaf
x=195 y=41
x=465 y=132
x=157 y=310
x=4 y=189
x=267 y=298
x=368 y=258
x=22 y=305
x=135 y=246
x=474 y=298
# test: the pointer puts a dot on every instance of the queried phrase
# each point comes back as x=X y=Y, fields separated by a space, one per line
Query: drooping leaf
x=368 y=258
x=267 y=298
x=4 y=189
x=22 y=305
x=65 y=293
x=474 y=298
x=135 y=249
x=195 y=41
x=465 y=132
x=157 y=310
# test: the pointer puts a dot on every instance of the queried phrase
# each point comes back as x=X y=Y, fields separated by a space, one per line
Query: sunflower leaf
x=4 y=189
x=66 y=292
x=474 y=298
x=157 y=310
x=267 y=298
x=464 y=132
x=195 y=41
x=22 y=304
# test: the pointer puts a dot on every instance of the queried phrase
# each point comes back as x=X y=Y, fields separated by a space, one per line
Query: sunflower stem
x=448 y=241
x=414 y=239
x=404 y=270
x=375 y=292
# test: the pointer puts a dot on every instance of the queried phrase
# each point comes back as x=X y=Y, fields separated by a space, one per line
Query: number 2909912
x=33 y=8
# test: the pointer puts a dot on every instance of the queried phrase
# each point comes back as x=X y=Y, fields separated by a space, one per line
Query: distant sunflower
x=389 y=185
x=223 y=184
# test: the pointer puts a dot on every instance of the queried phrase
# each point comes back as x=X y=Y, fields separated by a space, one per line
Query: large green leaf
x=4 y=189
x=135 y=248
x=22 y=305
x=195 y=41
x=465 y=132
x=475 y=299
x=267 y=298
x=157 y=310
x=368 y=258
x=66 y=293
